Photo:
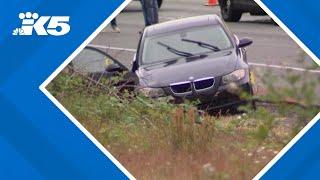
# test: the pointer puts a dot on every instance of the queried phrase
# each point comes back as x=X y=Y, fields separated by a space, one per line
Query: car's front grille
x=187 y=87
x=204 y=83
x=181 y=87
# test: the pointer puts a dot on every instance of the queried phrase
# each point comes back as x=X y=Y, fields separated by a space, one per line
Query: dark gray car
x=191 y=58
x=195 y=58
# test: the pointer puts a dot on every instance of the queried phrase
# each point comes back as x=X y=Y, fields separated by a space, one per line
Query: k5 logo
x=57 y=26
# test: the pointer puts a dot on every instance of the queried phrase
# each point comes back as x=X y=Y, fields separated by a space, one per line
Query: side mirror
x=244 y=42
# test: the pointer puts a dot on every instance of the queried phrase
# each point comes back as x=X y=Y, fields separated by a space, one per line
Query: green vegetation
x=155 y=139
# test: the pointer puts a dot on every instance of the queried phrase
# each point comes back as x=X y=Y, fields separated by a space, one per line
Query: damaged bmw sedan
x=192 y=58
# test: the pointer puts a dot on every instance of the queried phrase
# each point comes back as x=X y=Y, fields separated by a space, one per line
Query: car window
x=91 y=61
x=213 y=35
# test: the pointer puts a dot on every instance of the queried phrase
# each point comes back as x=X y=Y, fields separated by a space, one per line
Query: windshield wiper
x=203 y=44
x=176 y=51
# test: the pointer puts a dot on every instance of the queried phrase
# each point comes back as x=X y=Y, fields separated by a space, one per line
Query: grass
x=158 y=140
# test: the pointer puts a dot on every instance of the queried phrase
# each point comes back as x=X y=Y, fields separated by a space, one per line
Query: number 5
x=58 y=21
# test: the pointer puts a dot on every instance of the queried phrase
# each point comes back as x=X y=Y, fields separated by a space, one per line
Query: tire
x=248 y=89
x=159 y=3
x=228 y=12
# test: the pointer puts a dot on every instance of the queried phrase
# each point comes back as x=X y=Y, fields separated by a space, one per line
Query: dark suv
x=231 y=10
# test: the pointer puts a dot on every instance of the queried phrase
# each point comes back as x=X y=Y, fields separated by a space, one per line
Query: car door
x=93 y=60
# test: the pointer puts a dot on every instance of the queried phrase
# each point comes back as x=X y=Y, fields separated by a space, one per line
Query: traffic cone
x=212 y=3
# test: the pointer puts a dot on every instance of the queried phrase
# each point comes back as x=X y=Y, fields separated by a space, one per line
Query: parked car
x=194 y=58
x=231 y=10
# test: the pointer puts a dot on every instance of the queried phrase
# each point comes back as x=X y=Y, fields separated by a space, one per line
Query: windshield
x=177 y=44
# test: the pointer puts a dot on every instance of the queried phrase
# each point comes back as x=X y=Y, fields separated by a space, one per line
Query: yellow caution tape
x=107 y=61
x=252 y=78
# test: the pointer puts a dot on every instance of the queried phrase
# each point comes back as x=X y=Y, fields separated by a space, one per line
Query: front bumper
x=215 y=90
x=219 y=95
x=221 y=99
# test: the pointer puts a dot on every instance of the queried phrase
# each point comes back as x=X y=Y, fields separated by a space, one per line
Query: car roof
x=180 y=24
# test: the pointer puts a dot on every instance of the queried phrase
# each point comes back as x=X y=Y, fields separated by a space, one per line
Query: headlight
x=152 y=92
x=234 y=76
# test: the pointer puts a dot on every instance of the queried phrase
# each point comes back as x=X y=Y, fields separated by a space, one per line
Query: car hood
x=162 y=75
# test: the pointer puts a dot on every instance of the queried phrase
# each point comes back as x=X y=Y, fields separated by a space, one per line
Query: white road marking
x=285 y=67
x=169 y=18
x=251 y=64
x=112 y=48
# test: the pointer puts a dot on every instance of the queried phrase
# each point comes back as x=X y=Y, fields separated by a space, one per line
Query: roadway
x=272 y=48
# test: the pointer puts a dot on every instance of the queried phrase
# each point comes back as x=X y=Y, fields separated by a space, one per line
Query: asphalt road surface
x=271 y=45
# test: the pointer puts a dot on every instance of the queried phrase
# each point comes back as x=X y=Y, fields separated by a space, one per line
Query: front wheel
x=247 y=95
x=228 y=11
